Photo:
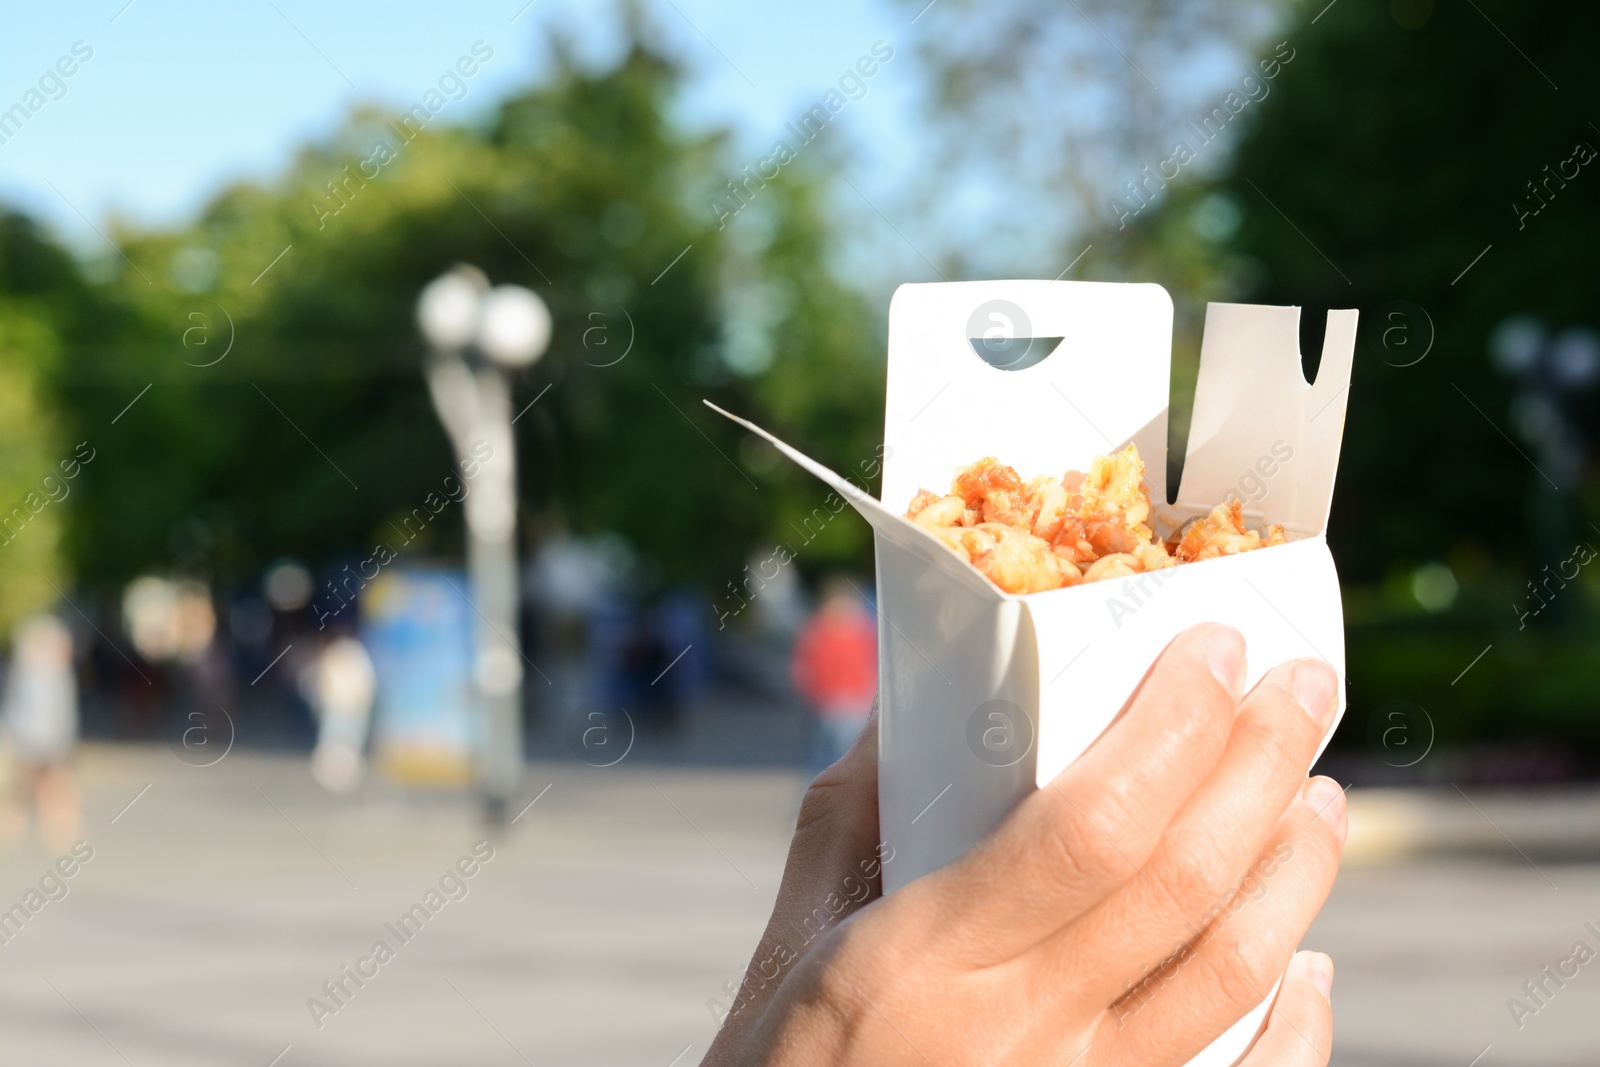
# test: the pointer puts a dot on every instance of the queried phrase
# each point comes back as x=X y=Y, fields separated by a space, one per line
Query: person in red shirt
x=835 y=667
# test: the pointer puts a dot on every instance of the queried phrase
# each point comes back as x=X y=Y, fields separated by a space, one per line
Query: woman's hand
x=1123 y=916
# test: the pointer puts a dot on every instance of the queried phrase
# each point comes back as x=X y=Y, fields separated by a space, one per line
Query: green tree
x=1395 y=148
x=1398 y=149
x=1057 y=106
x=286 y=413
x=44 y=305
x=32 y=490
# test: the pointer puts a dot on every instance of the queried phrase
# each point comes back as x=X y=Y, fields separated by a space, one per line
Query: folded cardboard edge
x=897 y=528
x=1254 y=413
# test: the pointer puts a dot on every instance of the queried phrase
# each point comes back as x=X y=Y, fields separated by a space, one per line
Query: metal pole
x=475 y=407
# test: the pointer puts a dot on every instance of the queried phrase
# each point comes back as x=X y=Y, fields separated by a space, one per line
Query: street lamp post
x=478 y=335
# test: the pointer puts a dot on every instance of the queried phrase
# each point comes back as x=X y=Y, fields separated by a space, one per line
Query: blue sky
x=182 y=96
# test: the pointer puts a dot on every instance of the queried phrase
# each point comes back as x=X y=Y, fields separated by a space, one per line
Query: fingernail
x=1320 y=970
x=1226 y=657
x=1316 y=688
x=1326 y=799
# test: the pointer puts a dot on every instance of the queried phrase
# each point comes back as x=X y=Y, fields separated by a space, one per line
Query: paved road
x=223 y=898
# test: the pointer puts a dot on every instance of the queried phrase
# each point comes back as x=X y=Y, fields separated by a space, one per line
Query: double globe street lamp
x=477 y=336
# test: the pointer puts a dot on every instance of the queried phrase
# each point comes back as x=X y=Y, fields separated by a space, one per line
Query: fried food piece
x=942 y=511
x=1049 y=500
x=1113 y=490
x=1113 y=538
x=1070 y=573
x=1019 y=562
x=1143 y=557
x=919 y=503
x=1221 y=533
x=995 y=491
x=1048 y=533
x=1154 y=557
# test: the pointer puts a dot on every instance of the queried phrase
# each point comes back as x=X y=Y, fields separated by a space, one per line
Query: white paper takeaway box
x=984 y=695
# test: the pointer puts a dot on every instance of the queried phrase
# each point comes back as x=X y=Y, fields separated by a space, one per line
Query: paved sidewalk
x=222 y=898
x=1553 y=824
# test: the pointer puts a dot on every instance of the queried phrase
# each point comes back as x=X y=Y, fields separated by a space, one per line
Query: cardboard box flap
x=1093 y=378
x=1260 y=432
x=901 y=531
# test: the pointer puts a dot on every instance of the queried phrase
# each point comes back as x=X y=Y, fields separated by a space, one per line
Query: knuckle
x=836 y=993
x=1197 y=873
x=1114 y=811
x=856 y=961
x=1197 y=733
x=1208 y=713
x=1244 y=969
x=1085 y=834
x=825 y=798
x=1324 y=853
x=1281 y=736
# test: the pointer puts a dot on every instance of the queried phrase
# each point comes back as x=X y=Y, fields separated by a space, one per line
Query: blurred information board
x=418 y=625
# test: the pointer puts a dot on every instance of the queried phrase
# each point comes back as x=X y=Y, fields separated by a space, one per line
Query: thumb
x=842 y=799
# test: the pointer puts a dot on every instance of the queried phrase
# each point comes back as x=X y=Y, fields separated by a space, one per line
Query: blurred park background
x=213 y=235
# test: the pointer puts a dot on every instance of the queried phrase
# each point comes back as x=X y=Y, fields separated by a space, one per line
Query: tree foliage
x=1398 y=149
x=1395 y=148
x=1056 y=105
x=286 y=414
x=32 y=490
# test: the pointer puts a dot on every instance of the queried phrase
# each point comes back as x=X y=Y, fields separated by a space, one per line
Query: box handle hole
x=1014 y=353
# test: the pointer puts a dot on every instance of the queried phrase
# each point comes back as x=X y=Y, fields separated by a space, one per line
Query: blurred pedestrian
x=835 y=667
x=41 y=728
x=680 y=619
x=340 y=685
x=644 y=661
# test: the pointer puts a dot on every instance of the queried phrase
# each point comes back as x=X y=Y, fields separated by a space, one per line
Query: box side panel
x=1105 y=385
x=1260 y=432
x=957 y=683
x=1096 y=641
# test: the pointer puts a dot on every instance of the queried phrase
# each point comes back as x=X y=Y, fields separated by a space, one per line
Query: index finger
x=1068 y=845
